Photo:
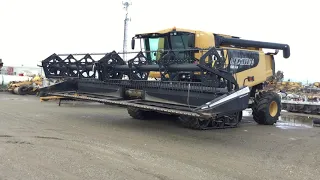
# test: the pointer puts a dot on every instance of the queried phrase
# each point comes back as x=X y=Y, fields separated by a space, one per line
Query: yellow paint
x=205 y=40
x=50 y=98
x=261 y=72
x=273 y=109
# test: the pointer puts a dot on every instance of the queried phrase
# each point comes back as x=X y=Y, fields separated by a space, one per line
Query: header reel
x=112 y=66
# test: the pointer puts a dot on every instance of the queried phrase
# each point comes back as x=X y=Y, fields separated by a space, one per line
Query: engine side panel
x=261 y=68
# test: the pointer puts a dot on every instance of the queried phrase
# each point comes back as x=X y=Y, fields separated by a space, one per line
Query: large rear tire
x=266 y=108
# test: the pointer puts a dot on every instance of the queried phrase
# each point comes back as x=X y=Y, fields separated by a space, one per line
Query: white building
x=26 y=71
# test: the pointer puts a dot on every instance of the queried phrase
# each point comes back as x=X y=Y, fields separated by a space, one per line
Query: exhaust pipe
x=249 y=43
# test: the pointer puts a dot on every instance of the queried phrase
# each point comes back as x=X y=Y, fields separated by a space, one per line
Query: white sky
x=31 y=30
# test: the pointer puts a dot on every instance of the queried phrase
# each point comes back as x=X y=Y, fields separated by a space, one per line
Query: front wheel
x=266 y=108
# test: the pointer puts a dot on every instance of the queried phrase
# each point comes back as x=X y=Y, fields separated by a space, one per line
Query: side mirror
x=191 y=40
x=132 y=43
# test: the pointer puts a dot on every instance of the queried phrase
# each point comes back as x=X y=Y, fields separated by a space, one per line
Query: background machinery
x=301 y=99
x=30 y=87
x=206 y=79
x=296 y=97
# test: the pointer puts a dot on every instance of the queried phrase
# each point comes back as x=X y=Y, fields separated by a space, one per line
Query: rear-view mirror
x=132 y=43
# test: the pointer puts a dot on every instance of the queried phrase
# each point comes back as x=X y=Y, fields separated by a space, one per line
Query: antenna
x=126 y=5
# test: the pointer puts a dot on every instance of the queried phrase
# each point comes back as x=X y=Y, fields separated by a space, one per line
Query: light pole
x=126 y=5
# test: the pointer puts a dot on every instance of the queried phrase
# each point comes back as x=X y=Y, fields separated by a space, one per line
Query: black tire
x=22 y=90
x=137 y=113
x=261 y=111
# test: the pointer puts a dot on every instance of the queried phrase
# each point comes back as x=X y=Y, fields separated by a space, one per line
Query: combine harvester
x=205 y=79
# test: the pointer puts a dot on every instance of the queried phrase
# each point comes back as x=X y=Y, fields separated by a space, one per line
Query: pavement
x=81 y=140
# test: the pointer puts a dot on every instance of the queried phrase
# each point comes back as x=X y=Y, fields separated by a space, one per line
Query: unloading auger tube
x=219 y=41
x=202 y=95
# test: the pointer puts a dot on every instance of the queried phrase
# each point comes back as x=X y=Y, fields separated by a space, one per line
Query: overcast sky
x=31 y=30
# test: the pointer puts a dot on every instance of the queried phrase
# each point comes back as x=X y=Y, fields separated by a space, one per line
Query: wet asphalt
x=80 y=140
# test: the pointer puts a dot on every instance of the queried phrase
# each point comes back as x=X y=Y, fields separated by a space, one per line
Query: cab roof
x=168 y=30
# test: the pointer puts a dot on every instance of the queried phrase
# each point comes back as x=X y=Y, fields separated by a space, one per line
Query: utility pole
x=126 y=5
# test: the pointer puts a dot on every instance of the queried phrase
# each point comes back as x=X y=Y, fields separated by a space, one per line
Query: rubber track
x=192 y=123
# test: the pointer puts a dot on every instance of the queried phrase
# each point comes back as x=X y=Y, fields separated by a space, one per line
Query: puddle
x=247 y=112
x=294 y=122
x=289 y=121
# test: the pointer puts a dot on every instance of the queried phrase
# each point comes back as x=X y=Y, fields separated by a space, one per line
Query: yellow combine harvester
x=206 y=79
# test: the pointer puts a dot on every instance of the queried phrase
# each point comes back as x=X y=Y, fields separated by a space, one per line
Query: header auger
x=204 y=78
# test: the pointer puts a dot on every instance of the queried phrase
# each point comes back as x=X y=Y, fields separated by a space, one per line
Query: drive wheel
x=233 y=120
x=266 y=108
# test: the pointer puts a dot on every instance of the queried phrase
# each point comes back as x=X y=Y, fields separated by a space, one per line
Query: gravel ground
x=40 y=140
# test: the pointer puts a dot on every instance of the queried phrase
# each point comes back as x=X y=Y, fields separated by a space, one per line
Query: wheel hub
x=273 y=109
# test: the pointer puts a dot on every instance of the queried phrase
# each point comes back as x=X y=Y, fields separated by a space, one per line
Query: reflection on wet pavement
x=294 y=122
x=247 y=112
x=289 y=120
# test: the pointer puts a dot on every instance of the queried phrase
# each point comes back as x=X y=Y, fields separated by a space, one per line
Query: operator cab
x=157 y=44
x=182 y=46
